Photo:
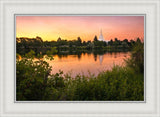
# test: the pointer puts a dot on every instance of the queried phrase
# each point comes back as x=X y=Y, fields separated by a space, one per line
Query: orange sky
x=86 y=27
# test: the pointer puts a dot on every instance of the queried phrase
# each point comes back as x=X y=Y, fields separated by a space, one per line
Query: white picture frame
x=151 y=105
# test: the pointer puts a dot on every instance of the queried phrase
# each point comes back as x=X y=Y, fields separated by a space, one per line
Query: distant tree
x=132 y=42
x=125 y=40
x=53 y=43
x=99 y=43
x=110 y=42
x=52 y=51
x=115 y=39
x=70 y=43
x=104 y=43
x=90 y=45
x=124 y=44
x=79 y=41
x=84 y=43
x=59 y=39
x=39 y=39
x=138 y=40
x=116 y=43
x=88 y=42
x=95 y=38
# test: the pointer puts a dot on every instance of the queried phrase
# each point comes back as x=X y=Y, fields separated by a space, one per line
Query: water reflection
x=100 y=58
x=81 y=63
x=79 y=56
x=95 y=57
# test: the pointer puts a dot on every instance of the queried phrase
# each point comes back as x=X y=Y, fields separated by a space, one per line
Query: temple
x=101 y=38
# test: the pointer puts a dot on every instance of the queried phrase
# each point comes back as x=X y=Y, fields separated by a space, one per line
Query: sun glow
x=70 y=27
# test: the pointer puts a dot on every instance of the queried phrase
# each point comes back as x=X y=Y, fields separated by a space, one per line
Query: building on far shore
x=101 y=38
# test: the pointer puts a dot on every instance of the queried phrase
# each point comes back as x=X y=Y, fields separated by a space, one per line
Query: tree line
x=34 y=81
x=24 y=45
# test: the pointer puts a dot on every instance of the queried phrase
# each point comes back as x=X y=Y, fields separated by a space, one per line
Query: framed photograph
x=80 y=58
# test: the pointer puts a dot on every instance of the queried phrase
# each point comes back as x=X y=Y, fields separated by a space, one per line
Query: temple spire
x=101 y=36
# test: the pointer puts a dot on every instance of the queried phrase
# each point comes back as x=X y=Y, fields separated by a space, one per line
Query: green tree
x=137 y=57
x=124 y=44
x=79 y=41
x=31 y=79
x=95 y=38
x=110 y=42
x=84 y=43
x=59 y=39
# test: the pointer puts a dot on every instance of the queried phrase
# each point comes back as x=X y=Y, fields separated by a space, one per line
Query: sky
x=86 y=27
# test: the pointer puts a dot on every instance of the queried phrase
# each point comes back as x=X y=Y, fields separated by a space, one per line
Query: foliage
x=30 y=54
x=31 y=79
x=137 y=57
x=40 y=47
x=119 y=84
x=35 y=82
x=95 y=38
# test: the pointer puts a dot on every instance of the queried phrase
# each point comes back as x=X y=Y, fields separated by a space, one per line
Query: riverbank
x=34 y=81
x=118 y=84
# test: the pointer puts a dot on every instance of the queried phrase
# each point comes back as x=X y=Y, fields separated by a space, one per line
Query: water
x=86 y=63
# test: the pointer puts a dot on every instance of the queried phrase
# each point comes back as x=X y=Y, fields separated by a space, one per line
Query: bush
x=136 y=61
x=34 y=81
x=31 y=79
x=120 y=84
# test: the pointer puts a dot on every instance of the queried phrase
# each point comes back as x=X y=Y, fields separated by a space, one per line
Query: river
x=87 y=63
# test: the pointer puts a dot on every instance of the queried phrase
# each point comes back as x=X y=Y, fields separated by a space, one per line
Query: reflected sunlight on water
x=85 y=63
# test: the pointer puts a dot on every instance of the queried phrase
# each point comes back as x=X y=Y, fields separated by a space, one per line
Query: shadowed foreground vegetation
x=35 y=83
